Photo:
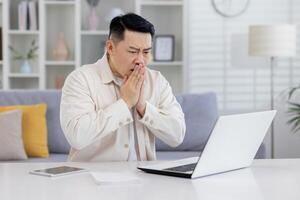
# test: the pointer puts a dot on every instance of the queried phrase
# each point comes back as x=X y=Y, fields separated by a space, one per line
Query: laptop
x=231 y=145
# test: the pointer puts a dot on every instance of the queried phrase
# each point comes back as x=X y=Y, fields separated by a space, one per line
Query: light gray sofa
x=200 y=111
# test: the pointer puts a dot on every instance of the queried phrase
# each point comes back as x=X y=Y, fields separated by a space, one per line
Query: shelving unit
x=20 y=75
x=60 y=2
x=84 y=45
x=162 y=3
x=60 y=63
x=161 y=13
x=104 y=32
x=18 y=32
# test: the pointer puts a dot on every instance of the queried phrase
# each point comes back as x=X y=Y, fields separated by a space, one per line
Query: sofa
x=201 y=113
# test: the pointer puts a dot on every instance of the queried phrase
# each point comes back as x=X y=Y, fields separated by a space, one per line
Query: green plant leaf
x=291 y=92
x=294 y=112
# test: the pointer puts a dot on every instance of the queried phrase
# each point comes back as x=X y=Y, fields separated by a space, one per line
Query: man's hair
x=131 y=22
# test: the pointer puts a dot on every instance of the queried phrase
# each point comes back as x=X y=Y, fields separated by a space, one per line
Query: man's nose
x=140 y=59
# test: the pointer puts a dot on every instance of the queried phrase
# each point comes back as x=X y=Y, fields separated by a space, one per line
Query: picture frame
x=164 y=46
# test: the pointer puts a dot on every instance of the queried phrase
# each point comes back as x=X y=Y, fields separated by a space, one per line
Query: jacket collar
x=105 y=70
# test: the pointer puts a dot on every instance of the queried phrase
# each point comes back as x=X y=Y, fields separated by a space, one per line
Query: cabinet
x=70 y=18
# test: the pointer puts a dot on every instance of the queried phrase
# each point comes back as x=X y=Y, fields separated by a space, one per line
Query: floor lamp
x=272 y=41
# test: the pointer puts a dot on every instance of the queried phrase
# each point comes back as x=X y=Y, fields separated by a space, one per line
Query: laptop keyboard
x=183 y=168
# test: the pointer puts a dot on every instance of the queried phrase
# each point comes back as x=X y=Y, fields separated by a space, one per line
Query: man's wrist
x=128 y=105
x=141 y=109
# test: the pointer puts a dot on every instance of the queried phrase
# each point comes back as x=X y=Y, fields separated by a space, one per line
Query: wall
x=218 y=61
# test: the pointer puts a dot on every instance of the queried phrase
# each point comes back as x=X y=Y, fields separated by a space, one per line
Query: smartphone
x=58 y=171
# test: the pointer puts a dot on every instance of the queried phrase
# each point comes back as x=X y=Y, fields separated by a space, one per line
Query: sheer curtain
x=218 y=60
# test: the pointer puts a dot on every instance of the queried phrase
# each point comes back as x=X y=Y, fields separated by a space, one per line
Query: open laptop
x=232 y=145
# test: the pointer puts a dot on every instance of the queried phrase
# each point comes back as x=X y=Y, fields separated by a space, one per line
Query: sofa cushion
x=11 y=142
x=201 y=113
x=56 y=140
x=34 y=128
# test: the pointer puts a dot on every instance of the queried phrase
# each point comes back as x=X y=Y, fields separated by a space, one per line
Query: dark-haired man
x=112 y=110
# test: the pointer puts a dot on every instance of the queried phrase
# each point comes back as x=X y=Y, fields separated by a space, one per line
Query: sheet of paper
x=111 y=178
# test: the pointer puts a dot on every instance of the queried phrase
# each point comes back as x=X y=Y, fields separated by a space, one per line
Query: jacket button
x=120 y=123
x=126 y=145
x=146 y=118
x=128 y=119
x=151 y=122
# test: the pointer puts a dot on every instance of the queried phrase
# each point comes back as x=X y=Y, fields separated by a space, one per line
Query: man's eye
x=146 y=52
x=133 y=52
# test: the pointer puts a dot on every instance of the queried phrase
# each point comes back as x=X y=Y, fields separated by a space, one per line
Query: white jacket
x=97 y=123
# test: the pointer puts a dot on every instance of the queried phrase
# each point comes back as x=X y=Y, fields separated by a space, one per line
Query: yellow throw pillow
x=34 y=128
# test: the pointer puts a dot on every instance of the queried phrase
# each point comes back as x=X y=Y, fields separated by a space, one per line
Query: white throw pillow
x=11 y=143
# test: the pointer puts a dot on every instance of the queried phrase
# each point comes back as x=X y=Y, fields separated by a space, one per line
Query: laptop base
x=168 y=173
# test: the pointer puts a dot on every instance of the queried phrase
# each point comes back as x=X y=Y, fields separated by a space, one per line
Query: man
x=112 y=110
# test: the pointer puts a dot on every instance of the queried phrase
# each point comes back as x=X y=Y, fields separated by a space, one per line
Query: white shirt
x=96 y=122
x=132 y=131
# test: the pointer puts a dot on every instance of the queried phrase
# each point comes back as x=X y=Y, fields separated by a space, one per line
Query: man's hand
x=141 y=104
x=131 y=88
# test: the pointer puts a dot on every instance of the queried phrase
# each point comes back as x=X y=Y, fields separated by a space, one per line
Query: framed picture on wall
x=164 y=48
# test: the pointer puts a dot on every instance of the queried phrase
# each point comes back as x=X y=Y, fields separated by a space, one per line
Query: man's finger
x=140 y=82
x=134 y=74
x=136 y=81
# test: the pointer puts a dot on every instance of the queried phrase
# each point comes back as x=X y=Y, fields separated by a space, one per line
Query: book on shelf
x=33 y=20
x=28 y=15
x=22 y=15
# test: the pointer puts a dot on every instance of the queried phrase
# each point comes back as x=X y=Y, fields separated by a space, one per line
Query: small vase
x=93 y=19
x=25 y=67
x=60 y=52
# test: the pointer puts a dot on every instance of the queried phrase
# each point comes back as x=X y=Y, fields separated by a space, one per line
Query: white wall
x=218 y=61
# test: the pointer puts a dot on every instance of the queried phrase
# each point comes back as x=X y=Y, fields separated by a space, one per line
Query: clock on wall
x=230 y=8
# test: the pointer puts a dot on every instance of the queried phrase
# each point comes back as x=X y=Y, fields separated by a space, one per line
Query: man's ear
x=110 y=47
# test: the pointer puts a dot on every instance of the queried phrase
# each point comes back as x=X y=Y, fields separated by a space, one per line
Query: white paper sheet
x=110 y=178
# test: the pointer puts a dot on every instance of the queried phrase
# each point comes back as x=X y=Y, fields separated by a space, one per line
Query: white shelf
x=20 y=75
x=85 y=46
x=59 y=3
x=171 y=63
x=26 y=32
x=100 y=32
x=60 y=63
x=161 y=3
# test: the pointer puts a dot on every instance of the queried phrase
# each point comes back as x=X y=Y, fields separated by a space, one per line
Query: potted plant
x=30 y=55
x=93 y=19
x=293 y=110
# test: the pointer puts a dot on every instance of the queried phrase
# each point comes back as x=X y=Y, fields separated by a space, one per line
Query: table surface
x=265 y=179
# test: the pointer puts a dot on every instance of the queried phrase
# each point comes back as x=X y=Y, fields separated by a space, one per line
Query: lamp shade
x=272 y=40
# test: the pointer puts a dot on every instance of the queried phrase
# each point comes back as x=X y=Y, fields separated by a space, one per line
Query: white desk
x=266 y=179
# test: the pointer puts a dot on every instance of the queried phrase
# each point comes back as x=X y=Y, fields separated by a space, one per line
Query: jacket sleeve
x=165 y=121
x=81 y=123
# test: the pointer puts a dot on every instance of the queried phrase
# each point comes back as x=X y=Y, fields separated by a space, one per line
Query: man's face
x=133 y=50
